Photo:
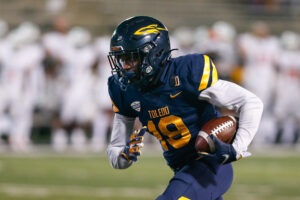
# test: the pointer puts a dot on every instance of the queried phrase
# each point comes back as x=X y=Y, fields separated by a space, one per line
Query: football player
x=260 y=53
x=173 y=99
x=21 y=81
x=287 y=109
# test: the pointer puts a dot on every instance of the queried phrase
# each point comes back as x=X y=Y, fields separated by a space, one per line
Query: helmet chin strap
x=150 y=82
x=126 y=79
x=123 y=82
x=176 y=49
x=151 y=78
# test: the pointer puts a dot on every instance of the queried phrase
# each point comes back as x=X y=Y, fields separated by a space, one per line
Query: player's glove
x=132 y=148
x=225 y=153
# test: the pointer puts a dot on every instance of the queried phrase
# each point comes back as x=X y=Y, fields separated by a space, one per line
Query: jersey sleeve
x=199 y=74
x=118 y=99
x=121 y=127
x=247 y=105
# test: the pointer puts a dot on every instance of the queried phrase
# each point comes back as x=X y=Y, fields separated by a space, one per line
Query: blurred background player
x=221 y=44
x=4 y=120
x=183 y=40
x=78 y=107
x=55 y=44
x=103 y=119
x=287 y=98
x=260 y=52
x=21 y=72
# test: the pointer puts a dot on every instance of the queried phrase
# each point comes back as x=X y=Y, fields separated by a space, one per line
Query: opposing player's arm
x=121 y=127
x=248 y=106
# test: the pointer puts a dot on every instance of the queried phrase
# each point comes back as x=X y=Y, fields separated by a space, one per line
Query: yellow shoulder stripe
x=115 y=108
x=214 y=75
x=183 y=198
x=206 y=72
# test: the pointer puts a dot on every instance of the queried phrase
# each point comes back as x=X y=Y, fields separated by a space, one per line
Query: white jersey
x=21 y=80
x=225 y=52
x=102 y=46
x=259 y=52
x=3 y=49
x=21 y=72
x=288 y=85
x=180 y=49
x=261 y=57
x=77 y=101
x=3 y=95
x=55 y=43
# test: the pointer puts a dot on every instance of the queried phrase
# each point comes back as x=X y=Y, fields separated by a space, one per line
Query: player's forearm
x=121 y=127
x=249 y=119
x=246 y=104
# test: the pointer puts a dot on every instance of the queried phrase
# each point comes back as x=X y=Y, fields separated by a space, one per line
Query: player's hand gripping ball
x=224 y=128
x=132 y=148
x=215 y=138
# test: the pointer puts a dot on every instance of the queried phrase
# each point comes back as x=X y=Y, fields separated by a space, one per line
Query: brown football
x=222 y=127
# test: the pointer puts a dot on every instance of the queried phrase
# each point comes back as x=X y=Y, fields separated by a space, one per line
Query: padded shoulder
x=196 y=72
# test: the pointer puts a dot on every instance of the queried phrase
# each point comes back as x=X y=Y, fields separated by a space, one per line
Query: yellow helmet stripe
x=214 y=75
x=149 y=29
x=206 y=73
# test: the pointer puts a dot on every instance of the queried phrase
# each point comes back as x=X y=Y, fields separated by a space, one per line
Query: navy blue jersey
x=172 y=111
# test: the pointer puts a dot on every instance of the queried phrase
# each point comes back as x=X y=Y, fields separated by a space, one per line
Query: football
x=223 y=128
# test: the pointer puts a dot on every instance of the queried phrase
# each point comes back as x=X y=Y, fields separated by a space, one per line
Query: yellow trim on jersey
x=115 y=108
x=206 y=73
x=183 y=198
x=214 y=75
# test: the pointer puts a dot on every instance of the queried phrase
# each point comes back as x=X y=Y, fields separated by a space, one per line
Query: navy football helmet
x=139 y=48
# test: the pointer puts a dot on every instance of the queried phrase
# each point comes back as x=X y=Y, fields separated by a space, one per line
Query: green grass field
x=91 y=177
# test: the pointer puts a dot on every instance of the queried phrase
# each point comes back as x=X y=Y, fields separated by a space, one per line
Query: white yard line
x=48 y=190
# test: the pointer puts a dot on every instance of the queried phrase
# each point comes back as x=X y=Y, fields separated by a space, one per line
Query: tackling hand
x=132 y=148
x=225 y=153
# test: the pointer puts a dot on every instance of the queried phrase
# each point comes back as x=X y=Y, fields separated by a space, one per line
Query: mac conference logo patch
x=136 y=105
